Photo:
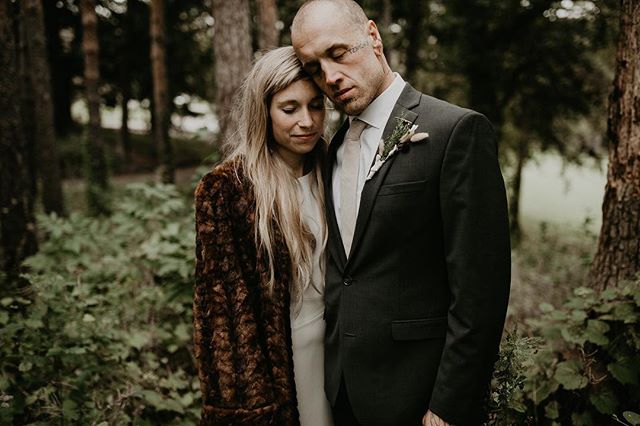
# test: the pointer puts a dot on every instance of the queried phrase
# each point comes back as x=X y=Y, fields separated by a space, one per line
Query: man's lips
x=343 y=94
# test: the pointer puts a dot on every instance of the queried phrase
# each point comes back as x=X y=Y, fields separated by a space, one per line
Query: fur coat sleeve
x=241 y=330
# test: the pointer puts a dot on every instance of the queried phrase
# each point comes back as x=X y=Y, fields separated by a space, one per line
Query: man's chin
x=349 y=107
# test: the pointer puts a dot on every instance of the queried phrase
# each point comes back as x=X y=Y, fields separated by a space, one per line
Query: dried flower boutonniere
x=402 y=135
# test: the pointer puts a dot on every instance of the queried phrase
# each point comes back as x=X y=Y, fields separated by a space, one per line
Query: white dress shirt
x=376 y=116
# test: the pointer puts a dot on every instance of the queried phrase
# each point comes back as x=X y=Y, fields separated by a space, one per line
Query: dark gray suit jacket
x=415 y=314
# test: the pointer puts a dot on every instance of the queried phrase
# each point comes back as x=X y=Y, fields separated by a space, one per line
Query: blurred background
x=113 y=110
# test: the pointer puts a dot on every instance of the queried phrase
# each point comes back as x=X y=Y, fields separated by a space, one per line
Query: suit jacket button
x=348 y=281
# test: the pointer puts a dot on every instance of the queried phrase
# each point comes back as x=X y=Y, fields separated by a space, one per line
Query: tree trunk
x=522 y=153
x=268 y=33
x=27 y=107
x=415 y=41
x=97 y=185
x=161 y=91
x=232 y=51
x=618 y=255
x=125 y=87
x=125 y=139
x=17 y=225
x=43 y=118
x=60 y=66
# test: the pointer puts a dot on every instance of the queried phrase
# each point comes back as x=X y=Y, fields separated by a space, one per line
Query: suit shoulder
x=444 y=116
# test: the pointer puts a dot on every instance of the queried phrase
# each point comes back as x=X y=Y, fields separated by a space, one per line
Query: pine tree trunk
x=125 y=139
x=17 y=225
x=522 y=154
x=618 y=255
x=415 y=41
x=27 y=107
x=43 y=116
x=97 y=185
x=161 y=91
x=125 y=88
x=233 y=54
x=60 y=66
x=268 y=33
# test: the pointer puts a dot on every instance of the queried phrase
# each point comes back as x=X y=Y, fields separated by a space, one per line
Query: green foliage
x=104 y=332
x=506 y=400
x=589 y=367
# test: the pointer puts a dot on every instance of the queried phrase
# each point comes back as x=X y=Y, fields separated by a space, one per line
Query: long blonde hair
x=274 y=184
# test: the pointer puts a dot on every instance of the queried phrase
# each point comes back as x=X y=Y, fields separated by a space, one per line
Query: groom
x=418 y=267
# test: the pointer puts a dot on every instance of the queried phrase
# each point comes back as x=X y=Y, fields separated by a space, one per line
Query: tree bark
x=522 y=153
x=125 y=87
x=26 y=106
x=17 y=224
x=97 y=185
x=61 y=69
x=618 y=254
x=415 y=41
x=161 y=91
x=43 y=116
x=268 y=33
x=232 y=54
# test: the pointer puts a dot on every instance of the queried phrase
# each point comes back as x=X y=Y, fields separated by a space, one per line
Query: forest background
x=111 y=110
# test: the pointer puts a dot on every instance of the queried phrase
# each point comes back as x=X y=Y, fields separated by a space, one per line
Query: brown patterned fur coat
x=242 y=332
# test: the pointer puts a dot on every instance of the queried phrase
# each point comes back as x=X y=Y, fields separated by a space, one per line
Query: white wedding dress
x=308 y=327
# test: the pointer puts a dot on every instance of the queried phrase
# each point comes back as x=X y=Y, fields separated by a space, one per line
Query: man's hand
x=431 y=419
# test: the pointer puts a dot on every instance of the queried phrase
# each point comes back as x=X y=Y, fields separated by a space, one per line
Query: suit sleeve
x=224 y=321
x=477 y=249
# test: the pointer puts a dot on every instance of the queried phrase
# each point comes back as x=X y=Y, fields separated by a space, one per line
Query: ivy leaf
x=569 y=376
x=625 y=312
x=604 y=400
x=625 y=371
x=546 y=308
x=138 y=339
x=631 y=417
x=69 y=410
x=583 y=419
x=25 y=366
x=578 y=315
x=595 y=332
x=541 y=390
x=552 y=410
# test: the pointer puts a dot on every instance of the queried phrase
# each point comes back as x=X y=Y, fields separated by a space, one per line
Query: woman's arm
x=231 y=367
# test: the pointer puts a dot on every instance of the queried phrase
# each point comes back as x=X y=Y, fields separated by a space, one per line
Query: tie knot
x=355 y=130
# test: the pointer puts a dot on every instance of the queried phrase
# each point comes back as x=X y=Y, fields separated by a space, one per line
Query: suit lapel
x=335 y=245
x=409 y=98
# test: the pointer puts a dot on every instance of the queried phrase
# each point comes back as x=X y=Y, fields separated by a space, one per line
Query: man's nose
x=331 y=73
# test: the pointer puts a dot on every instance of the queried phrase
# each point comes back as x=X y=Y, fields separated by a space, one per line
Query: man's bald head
x=347 y=9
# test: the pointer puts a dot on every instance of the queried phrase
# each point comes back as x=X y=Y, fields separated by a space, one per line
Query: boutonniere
x=402 y=135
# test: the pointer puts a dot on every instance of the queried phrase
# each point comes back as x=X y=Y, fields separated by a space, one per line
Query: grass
x=187 y=152
x=547 y=265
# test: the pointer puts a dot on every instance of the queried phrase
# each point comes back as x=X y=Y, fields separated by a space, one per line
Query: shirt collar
x=377 y=113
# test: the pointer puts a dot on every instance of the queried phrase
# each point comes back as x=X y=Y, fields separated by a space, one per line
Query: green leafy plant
x=589 y=367
x=103 y=333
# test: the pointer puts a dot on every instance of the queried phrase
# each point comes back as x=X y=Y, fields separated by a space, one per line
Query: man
x=418 y=267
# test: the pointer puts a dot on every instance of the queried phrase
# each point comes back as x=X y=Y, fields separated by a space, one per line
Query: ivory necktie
x=349 y=182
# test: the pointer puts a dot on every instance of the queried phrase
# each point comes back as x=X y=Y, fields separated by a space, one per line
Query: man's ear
x=375 y=36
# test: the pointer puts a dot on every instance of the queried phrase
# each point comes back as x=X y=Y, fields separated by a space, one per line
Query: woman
x=258 y=308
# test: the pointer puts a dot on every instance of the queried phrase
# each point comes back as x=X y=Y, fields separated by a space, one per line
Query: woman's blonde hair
x=274 y=184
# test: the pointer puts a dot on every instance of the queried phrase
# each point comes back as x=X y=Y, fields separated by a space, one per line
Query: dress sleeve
x=229 y=361
x=476 y=238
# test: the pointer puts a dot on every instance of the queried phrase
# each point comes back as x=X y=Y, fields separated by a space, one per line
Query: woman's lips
x=307 y=137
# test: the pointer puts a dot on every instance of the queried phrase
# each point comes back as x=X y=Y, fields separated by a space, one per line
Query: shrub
x=103 y=334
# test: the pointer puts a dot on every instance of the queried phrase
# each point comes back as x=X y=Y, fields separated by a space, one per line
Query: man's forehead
x=315 y=35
